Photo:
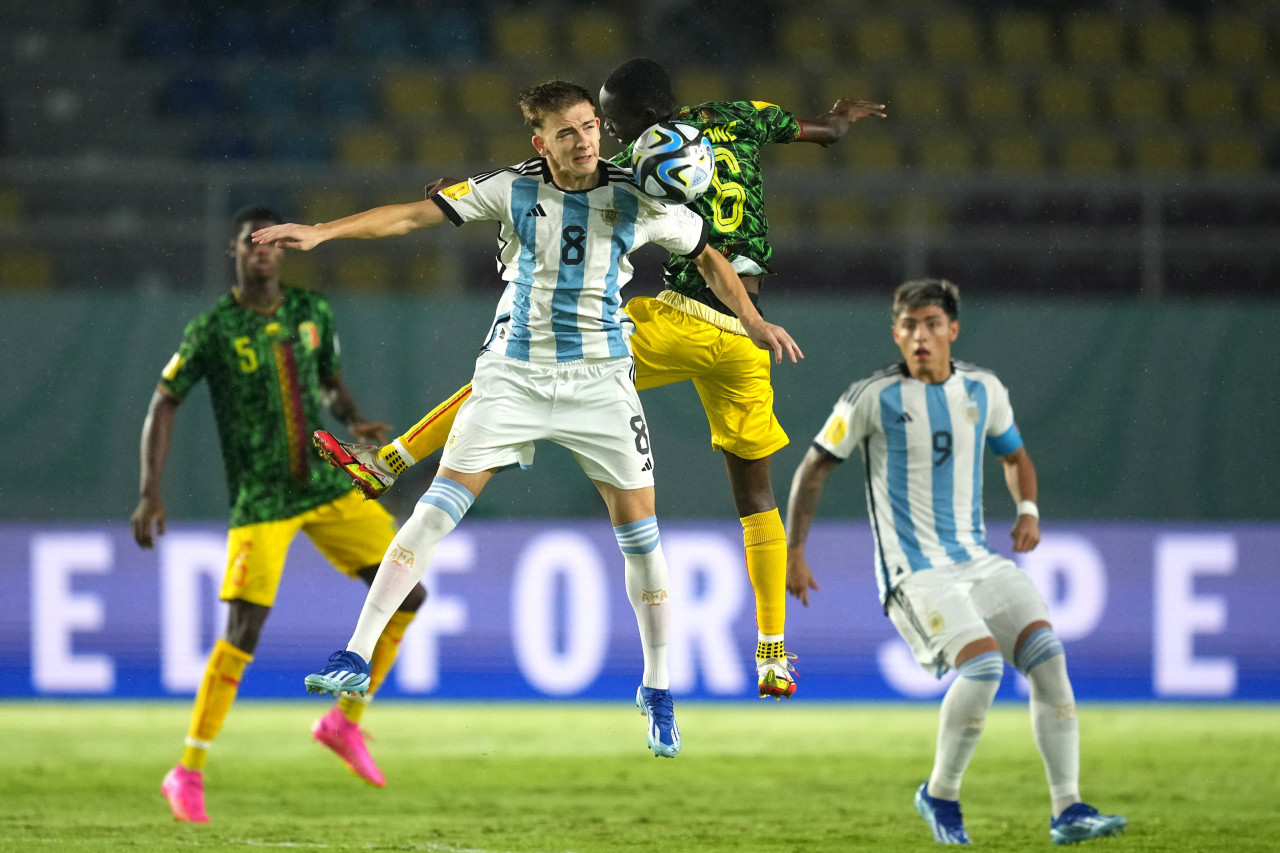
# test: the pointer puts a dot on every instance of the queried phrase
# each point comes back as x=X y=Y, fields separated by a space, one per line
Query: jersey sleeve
x=1003 y=437
x=774 y=124
x=328 y=361
x=482 y=197
x=677 y=229
x=848 y=424
x=190 y=363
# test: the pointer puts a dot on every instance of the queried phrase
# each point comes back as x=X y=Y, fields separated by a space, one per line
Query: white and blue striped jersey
x=923 y=444
x=563 y=255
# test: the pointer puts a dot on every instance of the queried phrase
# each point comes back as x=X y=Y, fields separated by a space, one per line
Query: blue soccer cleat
x=1082 y=822
x=346 y=672
x=663 y=734
x=943 y=816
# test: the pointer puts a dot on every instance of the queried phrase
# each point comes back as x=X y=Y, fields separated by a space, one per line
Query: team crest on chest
x=971 y=410
x=610 y=216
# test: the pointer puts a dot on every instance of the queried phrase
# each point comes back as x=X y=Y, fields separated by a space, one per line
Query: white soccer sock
x=1056 y=730
x=407 y=558
x=960 y=723
x=647 y=589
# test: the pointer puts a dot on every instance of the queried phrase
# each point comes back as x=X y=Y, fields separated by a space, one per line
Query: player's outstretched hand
x=799 y=577
x=289 y=236
x=775 y=338
x=1025 y=533
x=148 y=521
x=373 y=432
x=851 y=110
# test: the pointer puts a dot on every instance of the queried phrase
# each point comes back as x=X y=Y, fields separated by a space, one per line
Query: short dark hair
x=643 y=84
x=553 y=97
x=927 y=291
x=253 y=213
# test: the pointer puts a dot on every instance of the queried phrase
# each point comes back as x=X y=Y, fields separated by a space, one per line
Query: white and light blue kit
x=941 y=583
x=556 y=362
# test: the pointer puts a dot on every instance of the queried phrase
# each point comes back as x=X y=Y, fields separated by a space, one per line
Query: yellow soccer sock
x=427 y=435
x=766 y=545
x=384 y=656
x=213 y=700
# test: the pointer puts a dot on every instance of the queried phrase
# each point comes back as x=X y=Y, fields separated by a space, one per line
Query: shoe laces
x=347 y=660
x=661 y=710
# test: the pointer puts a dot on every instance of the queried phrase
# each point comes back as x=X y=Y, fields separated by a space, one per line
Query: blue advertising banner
x=538 y=609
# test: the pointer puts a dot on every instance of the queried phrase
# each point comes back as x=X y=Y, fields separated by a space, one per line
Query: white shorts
x=589 y=407
x=940 y=611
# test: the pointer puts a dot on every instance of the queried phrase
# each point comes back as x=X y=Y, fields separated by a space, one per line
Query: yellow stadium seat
x=521 y=35
x=1021 y=153
x=948 y=153
x=1090 y=152
x=880 y=41
x=1094 y=39
x=326 y=205
x=507 y=149
x=1023 y=38
x=1233 y=155
x=597 y=36
x=1166 y=42
x=1139 y=99
x=26 y=269
x=413 y=95
x=806 y=39
x=1212 y=100
x=870 y=150
x=782 y=87
x=994 y=98
x=919 y=97
x=368 y=147
x=837 y=85
x=1266 y=100
x=695 y=85
x=953 y=38
x=1237 y=41
x=910 y=213
x=1067 y=98
x=1162 y=154
x=447 y=152
x=839 y=213
x=362 y=269
x=12 y=205
x=487 y=95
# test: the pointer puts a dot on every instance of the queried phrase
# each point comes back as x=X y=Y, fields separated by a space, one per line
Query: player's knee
x=437 y=512
x=1041 y=646
x=988 y=666
x=244 y=624
x=638 y=538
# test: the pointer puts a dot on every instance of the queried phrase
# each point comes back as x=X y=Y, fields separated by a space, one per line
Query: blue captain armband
x=1006 y=442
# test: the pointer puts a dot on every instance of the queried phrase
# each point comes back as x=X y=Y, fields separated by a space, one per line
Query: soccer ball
x=673 y=162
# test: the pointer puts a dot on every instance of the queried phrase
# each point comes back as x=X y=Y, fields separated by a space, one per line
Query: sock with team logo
x=960 y=723
x=647 y=589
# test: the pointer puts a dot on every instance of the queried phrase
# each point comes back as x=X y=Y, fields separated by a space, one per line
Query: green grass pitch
x=545 y=777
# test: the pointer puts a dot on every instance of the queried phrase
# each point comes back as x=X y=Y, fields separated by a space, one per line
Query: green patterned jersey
x=264 y=373
x=734 y=206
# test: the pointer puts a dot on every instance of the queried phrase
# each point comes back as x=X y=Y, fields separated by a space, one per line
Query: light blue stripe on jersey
x=624 y=236
x=524 y=196
x=978 y=394
x=1006 y=442
x=638 y=537
x=944 y=475
x=569 y=279
x=895 y=432
x=448 y=496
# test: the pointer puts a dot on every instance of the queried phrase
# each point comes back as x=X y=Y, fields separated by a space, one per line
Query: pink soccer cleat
x=184 y=789
x=347 y=741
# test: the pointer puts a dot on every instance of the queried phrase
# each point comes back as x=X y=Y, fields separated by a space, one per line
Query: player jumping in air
x=555 y=364
x=687 y=333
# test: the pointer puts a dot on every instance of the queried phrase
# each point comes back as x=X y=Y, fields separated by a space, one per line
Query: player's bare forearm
x=806 y=493
x=387 y=221
x=342 y=405
x=725 y=283
x=1020 y=476
x=830 y=127
x=148 y=519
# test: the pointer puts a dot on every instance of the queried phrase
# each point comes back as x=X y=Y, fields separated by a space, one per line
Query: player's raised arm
x=388 y=221
x=719 y=275
x=831 y=126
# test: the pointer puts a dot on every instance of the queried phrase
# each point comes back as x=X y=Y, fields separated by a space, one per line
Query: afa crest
x=611 y=217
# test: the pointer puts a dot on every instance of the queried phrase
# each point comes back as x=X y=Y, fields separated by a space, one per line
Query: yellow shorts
x=731 y=374
x=351 y=532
